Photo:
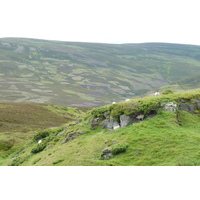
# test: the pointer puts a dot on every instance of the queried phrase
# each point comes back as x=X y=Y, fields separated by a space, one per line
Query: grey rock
x=183 y=106
x=106 y=154
x=105 y=151
x=70 y=134
x=60 y=134
x=94 y=125
x=191 y=108
x=107 y=115
x=140 y=117
x=79 y=120
x=97 y=119
x=197 y=104
x=170 y=107
x=109 y=123
x=80 y=133
x=125 y=120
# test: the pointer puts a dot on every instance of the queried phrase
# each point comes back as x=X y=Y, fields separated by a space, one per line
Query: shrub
x=36 y=160
x=167 y=92
x=42 y=134
x=47 y=132
x=19 y=160
x=58 y=161
x=38 y=148
x=119 y=148
x=99 y=112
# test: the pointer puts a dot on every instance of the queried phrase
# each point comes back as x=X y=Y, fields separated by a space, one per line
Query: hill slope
x=69 y=73
x=168 y=135
x=20 y=121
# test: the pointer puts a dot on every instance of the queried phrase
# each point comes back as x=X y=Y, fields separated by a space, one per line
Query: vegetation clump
x=38 y=148
x=119 y=148
x=168 y=91
x=47 y=132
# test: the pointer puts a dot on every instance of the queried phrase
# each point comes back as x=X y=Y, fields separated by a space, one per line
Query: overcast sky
x=104 y=21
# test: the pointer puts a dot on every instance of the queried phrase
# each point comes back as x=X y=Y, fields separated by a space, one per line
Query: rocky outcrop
x=106 y=121
x=110 y=124
x=171 y=106
x=126 y=120
x=106 y=154
x=71 y=136
x=190 y=107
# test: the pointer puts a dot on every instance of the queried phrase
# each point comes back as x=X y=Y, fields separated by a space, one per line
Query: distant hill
x=92 y=74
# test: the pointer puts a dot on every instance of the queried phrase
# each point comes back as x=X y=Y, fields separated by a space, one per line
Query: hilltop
x=159 y=130
x=92 y=74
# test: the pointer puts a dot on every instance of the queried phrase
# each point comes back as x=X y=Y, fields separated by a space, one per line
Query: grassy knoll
x=167 y=139
x=20 y=121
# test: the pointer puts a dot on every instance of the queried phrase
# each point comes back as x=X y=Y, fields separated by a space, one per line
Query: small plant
x=167 y=92
x=119 y=148
x=38 y=148
x=99 y=112
x=47 y=132
x=36 y=160
x=57 y=161
x=42 y=134
x=17 y=161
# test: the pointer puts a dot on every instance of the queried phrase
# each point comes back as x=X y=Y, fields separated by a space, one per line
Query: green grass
x=167 y=139
x=19 y=122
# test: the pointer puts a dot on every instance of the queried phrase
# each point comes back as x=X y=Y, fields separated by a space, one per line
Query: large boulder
x=110 y=124
x=191 y=108
x=125 y=120
x=172 y=107
x=106 y=154
x=197 y=102
x=183 y=107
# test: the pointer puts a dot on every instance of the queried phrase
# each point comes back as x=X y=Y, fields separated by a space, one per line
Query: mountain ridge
x=92 y=74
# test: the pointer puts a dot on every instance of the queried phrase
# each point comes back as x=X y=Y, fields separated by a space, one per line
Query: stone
x=105 y=151
x=107 y=154
x=94 y=125
x=125 y=120
x=140 y=117
x=191 y=108
x=197 y=104
x=183 y=106
x=80 y=133
x=170 y=107
x=107 y=115
x=79 y=120
x=60 y=134
x=109 y=123
x=70 y=134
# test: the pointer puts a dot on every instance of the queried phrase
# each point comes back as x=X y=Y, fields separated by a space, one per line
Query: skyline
x=105 y=21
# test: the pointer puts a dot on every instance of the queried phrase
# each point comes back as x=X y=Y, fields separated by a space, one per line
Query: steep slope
x=20 y=121
x=90 y=74
x=167 y=136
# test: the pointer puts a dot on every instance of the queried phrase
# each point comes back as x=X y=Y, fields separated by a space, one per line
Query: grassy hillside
x=91 y=74
x=20 y=121
x=164 y=139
